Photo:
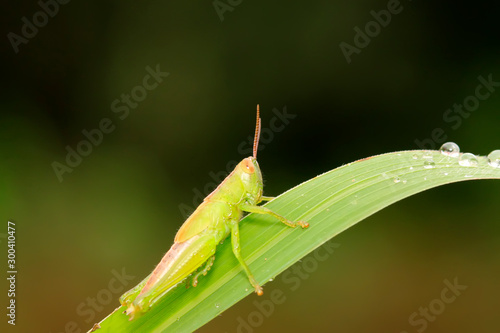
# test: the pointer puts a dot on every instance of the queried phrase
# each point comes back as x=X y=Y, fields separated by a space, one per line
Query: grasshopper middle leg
x=204 y=271
x=265 y=210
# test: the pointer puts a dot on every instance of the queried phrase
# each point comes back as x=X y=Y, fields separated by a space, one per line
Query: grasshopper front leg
x=264 y=210
x=235 y=242
x=264 y=198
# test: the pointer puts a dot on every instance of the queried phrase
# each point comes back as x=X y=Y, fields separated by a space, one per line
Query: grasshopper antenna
x=257 y=134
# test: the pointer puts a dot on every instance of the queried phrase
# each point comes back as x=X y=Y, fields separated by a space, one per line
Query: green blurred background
x=119 y=208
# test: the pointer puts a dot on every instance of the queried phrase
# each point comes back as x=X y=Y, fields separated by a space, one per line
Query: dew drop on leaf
x=429 y=164
x=468 y=160
x=494 y=159
x=450 y=149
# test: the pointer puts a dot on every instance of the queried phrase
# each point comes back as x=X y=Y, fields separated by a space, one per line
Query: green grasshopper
x=196 y=241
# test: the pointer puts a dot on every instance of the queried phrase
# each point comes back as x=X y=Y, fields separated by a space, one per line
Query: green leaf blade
x=331 y=203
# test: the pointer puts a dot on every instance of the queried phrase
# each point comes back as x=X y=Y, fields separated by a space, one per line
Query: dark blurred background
x=120 y=206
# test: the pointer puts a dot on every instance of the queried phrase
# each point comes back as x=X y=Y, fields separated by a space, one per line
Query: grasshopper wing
x=208 y=215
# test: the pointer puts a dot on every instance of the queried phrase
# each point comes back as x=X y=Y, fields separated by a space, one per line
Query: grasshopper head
x=246 y=179
x=251 y=177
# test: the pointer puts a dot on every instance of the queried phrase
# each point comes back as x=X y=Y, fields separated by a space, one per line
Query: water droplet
x=397 y=180
x=494 y=159
x=271 y=280
x=415 y=156
x=468 y=160
x=217 y=305
x=405 y=181
x=450 y=149
x=429 y=164
x=411 y=168
x=246 y=289
x=446 y=173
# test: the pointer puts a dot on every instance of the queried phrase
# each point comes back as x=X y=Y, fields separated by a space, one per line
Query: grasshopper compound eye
x=247 y=166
